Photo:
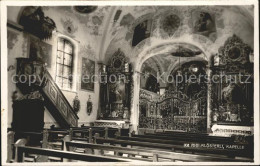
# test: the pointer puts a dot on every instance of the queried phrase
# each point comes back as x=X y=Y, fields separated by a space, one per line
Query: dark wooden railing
x=54 y=99
x=57 y=99
x=21 y=150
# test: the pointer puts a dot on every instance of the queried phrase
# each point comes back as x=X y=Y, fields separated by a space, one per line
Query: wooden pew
x=32 y=139
x=209 y=139
x=22 y=150
x=151 y=155
x=103 y=132
x=236 y=139
x=184 y=134
x=10 y=146
x=86 y=134
x=231 y=153
x=180 y=132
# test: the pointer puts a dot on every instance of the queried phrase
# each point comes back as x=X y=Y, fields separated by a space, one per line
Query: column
x=209 y=102
x=134 y=119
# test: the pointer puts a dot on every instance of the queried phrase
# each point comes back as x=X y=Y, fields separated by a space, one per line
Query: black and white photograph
x=130 y=82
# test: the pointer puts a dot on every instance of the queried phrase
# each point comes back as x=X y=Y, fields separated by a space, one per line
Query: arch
x=141 y=58
x=147 y=53
x=175 y=66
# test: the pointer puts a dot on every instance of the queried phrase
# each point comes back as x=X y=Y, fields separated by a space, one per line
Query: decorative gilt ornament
x=118 y=62
x=234 y=51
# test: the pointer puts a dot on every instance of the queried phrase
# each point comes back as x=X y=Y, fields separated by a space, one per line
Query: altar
x=115 y=92
x=114 y=123
x=229 y=130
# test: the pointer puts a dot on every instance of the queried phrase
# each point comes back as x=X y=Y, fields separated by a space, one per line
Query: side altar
x=115 y=92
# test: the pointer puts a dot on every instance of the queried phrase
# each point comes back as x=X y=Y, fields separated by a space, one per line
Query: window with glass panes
x=64 y=64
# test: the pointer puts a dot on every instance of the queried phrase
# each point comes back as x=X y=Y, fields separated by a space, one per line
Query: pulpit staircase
x=44 y=84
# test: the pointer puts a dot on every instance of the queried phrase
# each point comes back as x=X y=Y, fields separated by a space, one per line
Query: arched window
x=64 y=63
x=152 y=85
x=142 y=31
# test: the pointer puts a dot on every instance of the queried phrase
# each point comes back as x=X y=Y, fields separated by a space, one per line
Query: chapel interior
x=130 y=83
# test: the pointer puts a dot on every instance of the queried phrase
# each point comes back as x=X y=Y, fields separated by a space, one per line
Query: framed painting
x=87 y=74
x=40 y=51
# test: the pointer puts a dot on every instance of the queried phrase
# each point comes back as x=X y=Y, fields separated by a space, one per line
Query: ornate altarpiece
x=232 y=85
x=115 y=89
x=182 y=107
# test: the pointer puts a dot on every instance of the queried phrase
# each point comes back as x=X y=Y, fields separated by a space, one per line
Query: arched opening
x=181 y=102
x=142 y=31
x=152 y=85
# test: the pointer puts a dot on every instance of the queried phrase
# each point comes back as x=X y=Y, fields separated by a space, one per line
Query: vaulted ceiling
x=108 y=28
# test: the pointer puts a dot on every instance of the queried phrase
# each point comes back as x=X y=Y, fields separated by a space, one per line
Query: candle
x=126 y=67
x=104 y=68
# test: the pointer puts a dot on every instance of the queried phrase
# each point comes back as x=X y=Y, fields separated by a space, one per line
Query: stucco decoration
x=144 y=9
x=69 y=12
x=185 y=32
x=96 y=25
x=87 y=51
x=12 y=38
x=127 y=20
x=69 y=27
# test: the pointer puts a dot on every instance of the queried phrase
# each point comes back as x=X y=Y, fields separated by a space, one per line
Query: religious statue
x=76 y=104
x=114 y=114
x=126 y=113
x=89 y=105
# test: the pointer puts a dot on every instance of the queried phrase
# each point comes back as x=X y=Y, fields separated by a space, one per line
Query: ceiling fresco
x=108 y=28
x=187 y=24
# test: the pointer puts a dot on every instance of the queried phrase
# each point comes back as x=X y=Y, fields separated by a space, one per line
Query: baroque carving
x=12 y=38
x=234 y=51
x=232 y=98
x=117 y=62
x=35 y=22
x=69 y=27
x=32 y=95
